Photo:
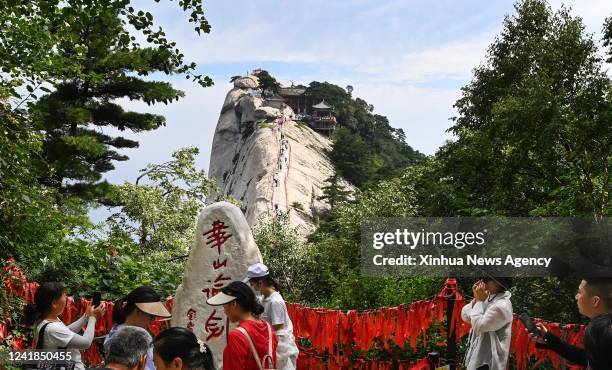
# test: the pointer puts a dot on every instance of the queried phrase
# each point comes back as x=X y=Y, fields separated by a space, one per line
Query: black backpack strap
x=41 y=336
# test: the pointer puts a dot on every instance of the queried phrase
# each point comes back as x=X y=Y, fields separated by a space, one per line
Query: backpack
x=268 y=358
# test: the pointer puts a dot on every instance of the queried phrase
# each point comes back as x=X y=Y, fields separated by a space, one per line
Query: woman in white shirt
x=275 y=313
x=49 y=303
x=490 y=315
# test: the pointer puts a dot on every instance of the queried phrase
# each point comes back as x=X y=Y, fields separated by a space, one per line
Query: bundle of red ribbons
x=16 y=284
x=333 y=335
x=309 y=361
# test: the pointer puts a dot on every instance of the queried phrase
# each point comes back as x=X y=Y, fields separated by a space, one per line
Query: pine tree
x=334 y=192
x=76 y=150
x=268 y=82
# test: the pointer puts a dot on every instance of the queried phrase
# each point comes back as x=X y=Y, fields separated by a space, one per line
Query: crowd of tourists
x=263 y=338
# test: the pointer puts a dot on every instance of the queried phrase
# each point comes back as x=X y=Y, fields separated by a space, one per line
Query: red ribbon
x=334 y=334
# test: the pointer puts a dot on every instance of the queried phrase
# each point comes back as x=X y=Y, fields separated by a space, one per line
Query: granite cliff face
x=270 y=163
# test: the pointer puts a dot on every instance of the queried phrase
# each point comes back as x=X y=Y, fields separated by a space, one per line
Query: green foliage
x=415 y=193
x=159 y=210
x=82 y=54
x=113 y=267
x=334 y=193
x=268 y=82
x=543 y=297
x=39 y=42
x=354 y=159
x=297 y=205
x=33 y=218
x=533 y=132
x=338 y=239
x=144 y=242
x=292 y=262
x=607 y=38
x=366 y=149
x=76 y=152
x=335 y=96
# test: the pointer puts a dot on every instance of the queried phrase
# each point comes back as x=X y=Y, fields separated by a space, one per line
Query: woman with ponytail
x=50 y=332
x=252 y=345
x=139 y=308
x=275 y=313
x=179 y=349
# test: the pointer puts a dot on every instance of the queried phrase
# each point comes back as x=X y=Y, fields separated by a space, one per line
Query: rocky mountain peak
x=270 y=162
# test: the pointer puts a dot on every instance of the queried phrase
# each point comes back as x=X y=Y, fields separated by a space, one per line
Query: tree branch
x=178 y=258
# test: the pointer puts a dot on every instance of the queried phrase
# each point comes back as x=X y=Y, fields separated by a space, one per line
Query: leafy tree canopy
x=533 y=125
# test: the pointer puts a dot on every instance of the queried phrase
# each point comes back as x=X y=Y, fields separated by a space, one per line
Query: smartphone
x=97 y=299
x=529 y=324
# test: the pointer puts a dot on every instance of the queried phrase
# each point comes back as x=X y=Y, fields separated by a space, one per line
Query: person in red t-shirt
x=252 y=345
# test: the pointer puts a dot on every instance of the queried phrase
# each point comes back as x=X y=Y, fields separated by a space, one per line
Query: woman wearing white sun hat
x=253 y=344
x=275 y=313
x=139 y=308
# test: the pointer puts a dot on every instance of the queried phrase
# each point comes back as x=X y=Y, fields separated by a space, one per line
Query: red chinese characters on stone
x=212 y=328
x=217 y=285
x=217 y=236
x=217 y=264
x=191 y=315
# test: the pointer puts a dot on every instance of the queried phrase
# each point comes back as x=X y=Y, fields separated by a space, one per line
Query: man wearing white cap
x=275 y=313
x=256 y=271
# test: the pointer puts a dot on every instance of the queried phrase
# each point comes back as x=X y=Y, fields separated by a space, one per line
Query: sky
x=407 y=58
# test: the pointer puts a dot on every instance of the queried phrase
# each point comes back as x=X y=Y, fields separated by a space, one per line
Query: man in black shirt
x=598 y=342
x=594 y=298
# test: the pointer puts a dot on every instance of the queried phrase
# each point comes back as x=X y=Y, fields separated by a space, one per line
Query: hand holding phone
x=529 y=324
x=97 y=299
x=536 y=331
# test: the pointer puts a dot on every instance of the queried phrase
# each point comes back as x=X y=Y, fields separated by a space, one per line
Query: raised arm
x=78 y=324
x=84 y=341
x=495 y=317
x=548 y=340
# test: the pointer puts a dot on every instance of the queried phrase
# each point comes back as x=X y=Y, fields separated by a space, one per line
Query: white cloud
x=379 y=48
x=422 y=113
x=593 y=12
x=189 y=122
x=450 y=61
x=342 y=34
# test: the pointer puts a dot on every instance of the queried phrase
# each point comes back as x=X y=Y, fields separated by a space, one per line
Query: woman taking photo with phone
x=490 y=316
x=50 y=332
